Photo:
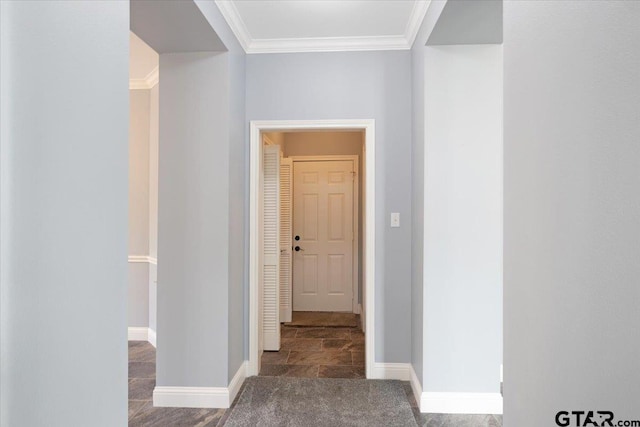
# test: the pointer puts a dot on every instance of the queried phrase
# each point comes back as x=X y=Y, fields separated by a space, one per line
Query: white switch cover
x=395 y=219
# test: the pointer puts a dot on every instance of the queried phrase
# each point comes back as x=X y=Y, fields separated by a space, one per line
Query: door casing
x=255 y=229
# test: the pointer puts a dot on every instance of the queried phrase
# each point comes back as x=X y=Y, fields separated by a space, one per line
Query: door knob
x=297 y=238
x=298 y=249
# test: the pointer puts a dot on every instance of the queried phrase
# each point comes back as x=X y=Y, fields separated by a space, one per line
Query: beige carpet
x=324 y=318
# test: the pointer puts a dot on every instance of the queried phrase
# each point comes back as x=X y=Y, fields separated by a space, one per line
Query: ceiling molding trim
x=148 y=82
x=235 y=22
x=322 y=44
x=418 y=13
x=328 y=44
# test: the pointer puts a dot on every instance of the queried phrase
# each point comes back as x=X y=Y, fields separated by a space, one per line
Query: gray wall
x=64 y=190
x=357 y=85
x=193 y=231
x=238 y=184
x=572 y=209
x=139 y=187
x=463 y=219
x=417 y=183
x=463 y=22
x=238 y=243
x=202 y=155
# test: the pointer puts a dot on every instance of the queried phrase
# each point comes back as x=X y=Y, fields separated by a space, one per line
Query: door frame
x=257 y=127
x=355 y=244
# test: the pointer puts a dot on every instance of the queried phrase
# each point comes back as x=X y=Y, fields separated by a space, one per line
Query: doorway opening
x=143 y=222
x=311 y=284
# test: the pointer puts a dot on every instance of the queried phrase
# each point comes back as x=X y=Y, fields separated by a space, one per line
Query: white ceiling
x=269 y=26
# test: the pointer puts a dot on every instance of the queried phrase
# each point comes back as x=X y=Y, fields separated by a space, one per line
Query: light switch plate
x=395 y=219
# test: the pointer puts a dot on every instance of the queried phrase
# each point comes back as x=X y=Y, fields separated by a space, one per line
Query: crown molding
x=328 y=44
x=418 y=13
x=148 y=82
x=322 y=44
x=233 y=18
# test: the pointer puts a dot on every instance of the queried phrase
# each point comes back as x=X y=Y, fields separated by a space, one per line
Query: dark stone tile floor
x=317 y=351
x=142 y=374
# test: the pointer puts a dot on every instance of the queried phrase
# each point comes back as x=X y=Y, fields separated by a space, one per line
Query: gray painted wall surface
x=174 y=26
x=193 y=277
x=463 y=219
x=468 y=22
x=238 y=184
x=572 y=209
x=357 y=85
x=238 y=259
x=64 y=189
x=417 y=183
x=138 y=294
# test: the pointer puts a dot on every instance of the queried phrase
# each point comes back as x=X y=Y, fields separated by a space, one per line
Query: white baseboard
x=237 y=380
x=415 y=386
x=391 y=371
x=138 y=333
x=191 y=397
x=461 y=403
x=200 y=397
x=358 y=309
x=142 y=334
x=152 y=337
x=142 y=259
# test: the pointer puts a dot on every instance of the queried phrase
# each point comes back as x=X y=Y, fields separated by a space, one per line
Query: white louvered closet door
x=271 y=249
x=286 y=166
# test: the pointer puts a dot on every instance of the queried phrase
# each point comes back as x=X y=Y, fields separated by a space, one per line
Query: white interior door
x=286 y=209
x=271 y=248
x=323 y=235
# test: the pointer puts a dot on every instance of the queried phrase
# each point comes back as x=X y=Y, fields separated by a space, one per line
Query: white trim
x=142 y=258
x=322 y=44
x=236 y=381
x=191 y=397
x=358 y=309
x=328 y=44
x=232 y=16
x=151 y=337
x=200 y=397
x=147 y=82
x=255 y=156
x=461 y=403
x=415 y=20
x=390 y=371
x=355 y=243
x=138 y=333
x=416 y=387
